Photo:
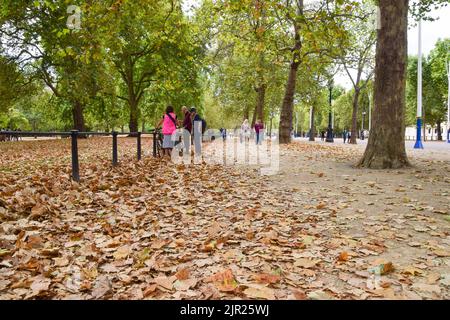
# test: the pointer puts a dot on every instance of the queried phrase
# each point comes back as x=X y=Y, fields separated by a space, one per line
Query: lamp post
x=330 y=116
x=419 y=144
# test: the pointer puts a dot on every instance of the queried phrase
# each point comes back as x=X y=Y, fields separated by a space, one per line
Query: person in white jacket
x=245 y=131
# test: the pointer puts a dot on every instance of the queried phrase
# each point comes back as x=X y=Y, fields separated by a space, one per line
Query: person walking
x=322 y=135
x=349 y=136
x=169 y=126
x=245 y=130
x=259 y=127
x=345 y=135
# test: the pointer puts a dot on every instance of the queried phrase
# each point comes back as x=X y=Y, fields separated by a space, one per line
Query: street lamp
x=419 y=144
x=330 y=116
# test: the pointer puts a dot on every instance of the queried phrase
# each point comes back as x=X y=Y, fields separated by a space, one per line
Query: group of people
x=347 y=135
x=9 y=136
x=246 y=131
x=193 y=127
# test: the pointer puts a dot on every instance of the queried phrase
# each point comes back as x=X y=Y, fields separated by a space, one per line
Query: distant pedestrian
x=259 y=127
x=322 y=135
x=345 y=135
x=245 y=131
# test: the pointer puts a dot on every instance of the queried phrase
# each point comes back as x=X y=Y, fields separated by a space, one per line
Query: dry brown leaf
x=260 y=293
x=305 y=263
x=343 y=256
x=183 y=274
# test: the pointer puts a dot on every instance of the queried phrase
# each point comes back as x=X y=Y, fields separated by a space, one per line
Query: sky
x=432 y=31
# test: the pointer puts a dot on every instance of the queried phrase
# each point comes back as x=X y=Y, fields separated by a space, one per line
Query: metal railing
x=75 y=135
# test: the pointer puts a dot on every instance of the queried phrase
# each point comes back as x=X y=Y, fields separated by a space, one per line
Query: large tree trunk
x=355 y=117
x=78 y=118
x=287 y=108
x=260 y=100
x=386 y=147
x=439 y=132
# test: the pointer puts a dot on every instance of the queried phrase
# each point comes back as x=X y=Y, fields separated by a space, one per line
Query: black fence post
x=114 y=154
x=139 y=148
x=75 y=164
x=154 y=144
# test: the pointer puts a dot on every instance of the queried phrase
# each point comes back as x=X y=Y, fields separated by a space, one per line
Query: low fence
x=75 y=135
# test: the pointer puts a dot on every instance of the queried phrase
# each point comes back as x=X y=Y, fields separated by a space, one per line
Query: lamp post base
x=419 y=144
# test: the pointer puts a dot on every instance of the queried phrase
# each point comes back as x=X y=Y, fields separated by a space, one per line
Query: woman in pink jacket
x=169 y=126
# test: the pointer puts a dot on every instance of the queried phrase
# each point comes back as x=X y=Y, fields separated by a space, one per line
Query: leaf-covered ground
x=155 y=230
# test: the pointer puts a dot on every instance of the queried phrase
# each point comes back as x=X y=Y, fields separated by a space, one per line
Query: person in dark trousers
x=322 y=135
x=345 y=135
x=223 y=133
x=259 y=127
x=349 y=136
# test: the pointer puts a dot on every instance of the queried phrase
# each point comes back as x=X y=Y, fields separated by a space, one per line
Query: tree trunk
x=355 y=117
x=259 y=109
x=254 y=116
x=133 y=125
x=439 y=132
x=386 y=147
x=287 y=108
x=78 y=118
x=143 y=125
x=312 y=135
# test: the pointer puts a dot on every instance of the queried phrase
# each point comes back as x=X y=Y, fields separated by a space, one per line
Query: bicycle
x=159 y=143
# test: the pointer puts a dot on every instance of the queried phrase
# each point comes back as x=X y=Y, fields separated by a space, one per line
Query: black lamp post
x=330 y=137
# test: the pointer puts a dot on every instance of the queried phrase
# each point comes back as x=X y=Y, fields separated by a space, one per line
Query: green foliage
x=434 y=90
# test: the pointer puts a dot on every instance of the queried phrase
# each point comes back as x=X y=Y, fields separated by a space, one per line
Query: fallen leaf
x=260 y=293
x=343 y=256
x=305 y=263
x=267 y=278
x=40 y=284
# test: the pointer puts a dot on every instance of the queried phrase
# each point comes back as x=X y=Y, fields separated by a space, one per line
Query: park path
x=405 y=213
x=155 y=230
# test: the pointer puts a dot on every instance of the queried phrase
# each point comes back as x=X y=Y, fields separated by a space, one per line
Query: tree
x=148 y=44
x=386 y=146
x=314 y=30
x=359 y=57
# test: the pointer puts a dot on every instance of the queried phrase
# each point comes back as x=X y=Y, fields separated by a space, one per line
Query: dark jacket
x=187 y=122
